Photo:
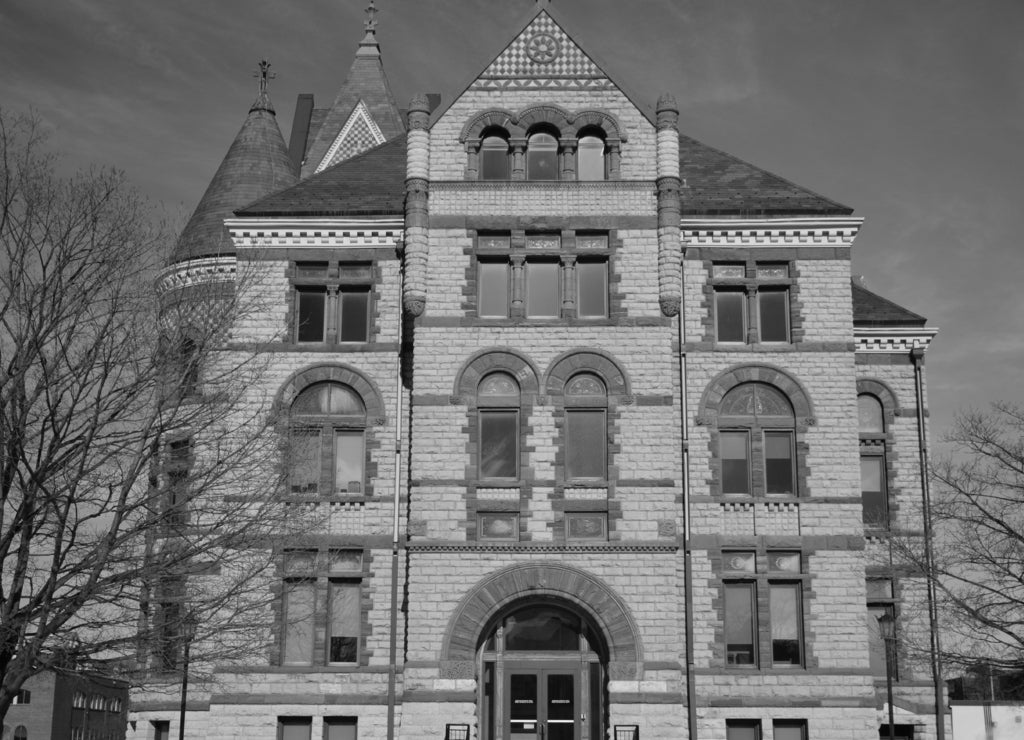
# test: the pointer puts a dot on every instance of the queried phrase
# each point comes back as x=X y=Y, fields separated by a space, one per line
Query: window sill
x=339 y=498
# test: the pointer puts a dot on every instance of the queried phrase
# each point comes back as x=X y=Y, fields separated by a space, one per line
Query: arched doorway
x=542 y=669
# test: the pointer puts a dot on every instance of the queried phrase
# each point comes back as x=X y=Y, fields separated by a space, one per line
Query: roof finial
x=371 y=22
x=264 y=74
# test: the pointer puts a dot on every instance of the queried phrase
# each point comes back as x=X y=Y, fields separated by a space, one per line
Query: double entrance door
x=544 y=703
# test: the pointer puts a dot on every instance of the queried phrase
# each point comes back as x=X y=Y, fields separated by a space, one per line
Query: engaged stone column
x=669 y=256
x=417 y=191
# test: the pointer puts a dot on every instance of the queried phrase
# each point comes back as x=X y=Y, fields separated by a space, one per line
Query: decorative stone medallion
x=542 y=48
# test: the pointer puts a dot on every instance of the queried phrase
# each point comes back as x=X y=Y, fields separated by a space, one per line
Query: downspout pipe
x=917 y=357
x=396 y=520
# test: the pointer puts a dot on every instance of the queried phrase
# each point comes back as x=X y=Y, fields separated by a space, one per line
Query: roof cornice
x=829 y=231
x=339 y=232
x=892 y=339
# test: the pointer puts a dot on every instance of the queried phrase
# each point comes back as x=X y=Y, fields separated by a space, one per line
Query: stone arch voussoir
x=587 y=593
x=495 y=359
x=774 y=376
x=345 y=374
x=569 y=363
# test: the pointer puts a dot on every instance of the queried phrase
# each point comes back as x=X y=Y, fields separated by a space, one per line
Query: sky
x=910 y=112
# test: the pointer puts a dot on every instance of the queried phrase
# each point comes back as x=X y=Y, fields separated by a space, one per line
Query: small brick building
x=607 y=441
x=68 y=706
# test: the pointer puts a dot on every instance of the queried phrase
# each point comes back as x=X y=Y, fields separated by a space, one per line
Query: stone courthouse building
x=605 y=440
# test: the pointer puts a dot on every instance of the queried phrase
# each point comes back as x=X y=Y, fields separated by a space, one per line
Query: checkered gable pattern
x=357 y=135
x=532 y=54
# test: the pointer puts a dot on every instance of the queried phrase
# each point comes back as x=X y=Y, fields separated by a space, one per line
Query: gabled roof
x=574 y=61
x=371 y=183
x=717 y=183
x=257 y=163
x=366 y=83
x=872 y=310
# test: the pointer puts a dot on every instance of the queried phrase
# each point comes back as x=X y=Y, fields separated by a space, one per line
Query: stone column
x=518 y=158
x=669 y=246
x=417 y=213
x=567 y=155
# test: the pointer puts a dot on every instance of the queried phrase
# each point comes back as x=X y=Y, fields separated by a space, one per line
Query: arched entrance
x=542 y=667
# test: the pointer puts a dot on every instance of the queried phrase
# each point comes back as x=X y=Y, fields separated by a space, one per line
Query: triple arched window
x=543 y=143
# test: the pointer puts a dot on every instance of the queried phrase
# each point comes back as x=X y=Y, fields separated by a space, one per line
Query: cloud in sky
x=910 y=112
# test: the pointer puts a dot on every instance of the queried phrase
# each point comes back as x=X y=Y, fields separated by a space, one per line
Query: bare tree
x=978 y=559
x=137 y=473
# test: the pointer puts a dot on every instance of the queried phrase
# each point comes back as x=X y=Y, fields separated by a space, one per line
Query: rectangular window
x=161 y=729
x=586 y=526
x=592 y=289
x=586 y=440
x=873 y=493
x=299 y=610
x=778 y=462
x=499 y=444
x=735 y=449
x=730 y=316
x=498 y=526
x=785 y=610
x=741 y=623
x=344 y=622
x=789 y=729
x=348 y=461
x=340 y=728
x=742 y=729
x=304 y=454
x=294 y=728
x=543 y=298
x=493 y=285
x=355 y=314
x=310 y=310
x=774 y=315
x=177 y=498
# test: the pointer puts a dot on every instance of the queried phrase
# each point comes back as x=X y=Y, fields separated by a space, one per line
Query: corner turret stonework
x=669 y=258
x=417 y=192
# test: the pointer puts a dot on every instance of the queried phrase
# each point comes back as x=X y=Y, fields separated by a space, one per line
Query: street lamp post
x=887 y=626
x=188 y=633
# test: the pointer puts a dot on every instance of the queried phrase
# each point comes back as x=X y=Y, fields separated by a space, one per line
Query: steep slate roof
x=366 y=81
x=717 y=183
x=256 y=164
x=371 y=183
x=872 y=310
x=714 y=182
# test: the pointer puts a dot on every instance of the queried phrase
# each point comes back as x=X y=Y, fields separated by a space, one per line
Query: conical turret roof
x=363 y=115
x=256 y=164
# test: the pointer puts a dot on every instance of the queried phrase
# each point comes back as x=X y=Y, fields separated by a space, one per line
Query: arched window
x=756 y=423
x=328 y=426
x=542 y=157
x=498 y=404
x=590 y=159
x=494 y=159
x=78 y=701
x=586 y=428
x=873 y=489
x=20 y=733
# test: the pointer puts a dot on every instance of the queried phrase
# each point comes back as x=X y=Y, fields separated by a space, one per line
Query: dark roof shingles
x=872 y=310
